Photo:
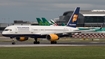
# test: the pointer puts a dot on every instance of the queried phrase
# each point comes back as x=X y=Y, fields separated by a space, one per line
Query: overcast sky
x=28 y=10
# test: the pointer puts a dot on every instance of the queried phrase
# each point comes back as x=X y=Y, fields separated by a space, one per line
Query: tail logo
x=75 y=18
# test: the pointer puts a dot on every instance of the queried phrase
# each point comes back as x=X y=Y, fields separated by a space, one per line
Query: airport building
x=87 y=18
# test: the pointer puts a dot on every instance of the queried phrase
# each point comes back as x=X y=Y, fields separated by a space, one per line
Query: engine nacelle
x=21 y=38
x=52 y=37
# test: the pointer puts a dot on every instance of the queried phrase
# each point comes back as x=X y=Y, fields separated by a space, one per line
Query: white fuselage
x=41 y=30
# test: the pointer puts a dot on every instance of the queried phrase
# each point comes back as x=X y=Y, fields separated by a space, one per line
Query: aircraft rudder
x=74 y=17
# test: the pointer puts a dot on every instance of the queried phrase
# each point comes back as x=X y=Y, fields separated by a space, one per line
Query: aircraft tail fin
x=73 y=19
x=40 y=22
x=53 y=22
x=45 y=21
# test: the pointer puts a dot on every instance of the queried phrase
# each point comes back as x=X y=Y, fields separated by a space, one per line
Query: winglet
x=73 y=19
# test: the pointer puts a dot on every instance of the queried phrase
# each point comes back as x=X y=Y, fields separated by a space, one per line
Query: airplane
x=45 y=22
x=51 y=33
x=94 y=30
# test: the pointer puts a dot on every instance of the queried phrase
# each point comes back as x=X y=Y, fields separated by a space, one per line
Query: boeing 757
x=51 y=33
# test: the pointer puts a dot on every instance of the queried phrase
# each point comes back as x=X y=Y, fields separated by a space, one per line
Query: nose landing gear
x=13 y=41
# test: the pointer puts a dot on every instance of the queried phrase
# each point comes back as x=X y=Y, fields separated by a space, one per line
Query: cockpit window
x=8 y=30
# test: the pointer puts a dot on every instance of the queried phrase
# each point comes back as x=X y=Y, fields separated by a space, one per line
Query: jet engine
x=22 y=38
x=52 y=37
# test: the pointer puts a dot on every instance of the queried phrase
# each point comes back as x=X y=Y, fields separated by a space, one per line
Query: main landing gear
x=36 y=41
x=53 y=42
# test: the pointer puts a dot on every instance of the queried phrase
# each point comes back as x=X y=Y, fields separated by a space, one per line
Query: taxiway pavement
x=6 y=42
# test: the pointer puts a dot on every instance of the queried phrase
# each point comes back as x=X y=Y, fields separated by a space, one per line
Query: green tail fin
x=40 y=22
x=45 y=21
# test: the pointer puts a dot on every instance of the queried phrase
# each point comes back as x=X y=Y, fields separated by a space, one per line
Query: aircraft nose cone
x=3 y=33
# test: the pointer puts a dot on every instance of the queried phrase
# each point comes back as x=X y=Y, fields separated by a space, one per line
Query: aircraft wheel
x=36 y=42
x=13 y=43
x=53 y=42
